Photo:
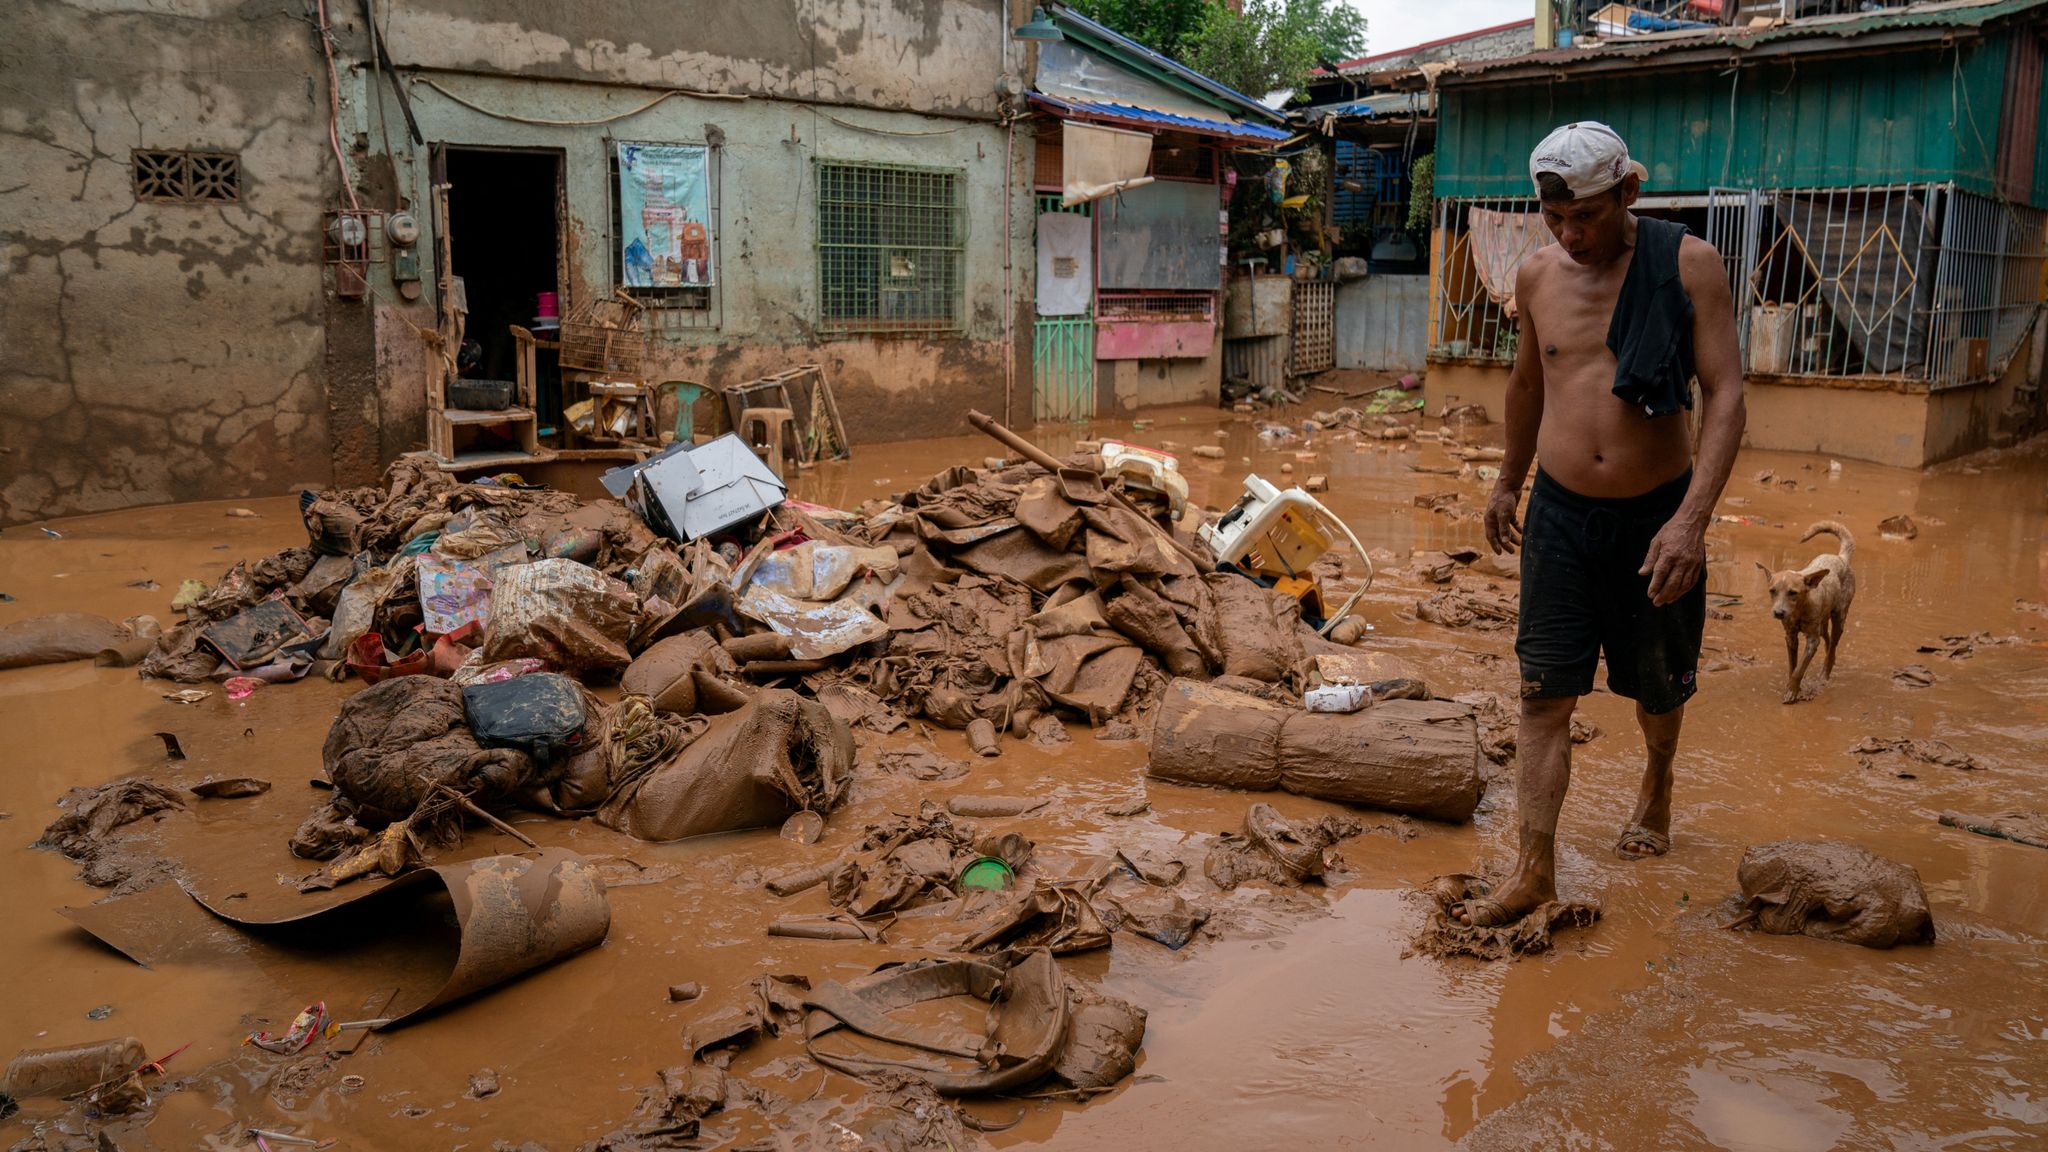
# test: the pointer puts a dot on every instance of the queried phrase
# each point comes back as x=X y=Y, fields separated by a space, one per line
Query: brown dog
x=1814 y=602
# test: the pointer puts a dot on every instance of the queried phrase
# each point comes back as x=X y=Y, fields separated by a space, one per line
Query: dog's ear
x=1761 y=567
x=1814 y=578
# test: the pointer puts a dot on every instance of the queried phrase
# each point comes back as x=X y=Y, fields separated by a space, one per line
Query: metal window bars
x=1156 y=307
x=891 y=245
x=1480 y=243
x=1920 y=282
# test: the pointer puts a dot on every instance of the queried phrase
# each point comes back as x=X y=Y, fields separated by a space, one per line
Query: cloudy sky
x=1392 y=24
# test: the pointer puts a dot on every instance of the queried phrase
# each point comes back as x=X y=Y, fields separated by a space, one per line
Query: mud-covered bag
x=541 y=714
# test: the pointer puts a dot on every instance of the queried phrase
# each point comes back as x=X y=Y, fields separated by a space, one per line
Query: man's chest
x=1571 y=319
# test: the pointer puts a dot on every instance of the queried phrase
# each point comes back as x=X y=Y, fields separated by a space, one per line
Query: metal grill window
x=1156 y=307
x=1920 y=282
x=890 y=244
x=1482 y=243
x=185 y=177
x=671 y=308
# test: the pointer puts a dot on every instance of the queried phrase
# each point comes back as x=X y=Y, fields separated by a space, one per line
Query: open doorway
x=504 y=209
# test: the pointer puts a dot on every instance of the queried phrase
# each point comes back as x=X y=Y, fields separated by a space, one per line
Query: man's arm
x=1524 y=417
x=1677 y=555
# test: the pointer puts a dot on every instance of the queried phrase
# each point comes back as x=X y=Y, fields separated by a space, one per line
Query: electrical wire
x=334 y=108
x=518 y=119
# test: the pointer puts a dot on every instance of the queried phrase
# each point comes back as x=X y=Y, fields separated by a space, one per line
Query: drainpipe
x=1009 y=277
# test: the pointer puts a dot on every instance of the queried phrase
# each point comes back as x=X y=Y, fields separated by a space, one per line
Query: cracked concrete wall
x=910 y=55
x=155 y=352
x=766 y=314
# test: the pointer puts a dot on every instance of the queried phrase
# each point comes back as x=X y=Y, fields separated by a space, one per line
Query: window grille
x=1156 y=307
x=890 y=248
x=670 y=307
x=185 y=177
x=1481 y=243
x=1921 y=282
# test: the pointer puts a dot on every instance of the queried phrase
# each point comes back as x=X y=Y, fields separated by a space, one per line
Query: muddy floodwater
x=1294 y=1020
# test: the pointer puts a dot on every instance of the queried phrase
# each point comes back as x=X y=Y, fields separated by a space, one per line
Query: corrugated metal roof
x=1820 y=29
x=1146 y=117
x=1378 y=106
x=1223 y=93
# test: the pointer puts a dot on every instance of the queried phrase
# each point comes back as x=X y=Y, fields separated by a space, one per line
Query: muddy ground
x=1294 y=1019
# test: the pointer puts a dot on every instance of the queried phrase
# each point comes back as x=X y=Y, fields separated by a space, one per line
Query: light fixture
x=1041 y=27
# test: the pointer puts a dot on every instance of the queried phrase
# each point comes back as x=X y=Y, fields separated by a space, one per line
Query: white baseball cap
x=1588 y=156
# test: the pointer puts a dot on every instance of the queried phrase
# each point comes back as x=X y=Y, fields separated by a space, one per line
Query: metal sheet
x=1160 y=236
x=1383 y=323
x=512 y=914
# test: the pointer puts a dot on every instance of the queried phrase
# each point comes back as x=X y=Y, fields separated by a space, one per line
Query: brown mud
x=1292 y=1018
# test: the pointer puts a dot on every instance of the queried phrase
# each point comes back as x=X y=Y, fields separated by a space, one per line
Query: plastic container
x=988 y=873
x=1337 y=698
x=62 y=1071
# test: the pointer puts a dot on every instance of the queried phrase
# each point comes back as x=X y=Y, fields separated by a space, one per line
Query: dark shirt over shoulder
x=1651 y=331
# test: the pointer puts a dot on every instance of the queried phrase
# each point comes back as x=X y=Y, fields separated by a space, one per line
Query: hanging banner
x=665 y=215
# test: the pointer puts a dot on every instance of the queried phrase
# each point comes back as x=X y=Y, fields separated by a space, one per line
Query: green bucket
x=988 y=872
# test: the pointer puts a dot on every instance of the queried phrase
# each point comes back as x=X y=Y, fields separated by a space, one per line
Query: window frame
x=952 y=249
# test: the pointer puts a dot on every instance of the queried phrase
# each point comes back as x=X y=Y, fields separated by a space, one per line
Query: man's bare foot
x=1520 y=898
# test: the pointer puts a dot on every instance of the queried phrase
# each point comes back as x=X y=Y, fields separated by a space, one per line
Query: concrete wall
x=155 y=352
x=1128 y=385
x=767 y=312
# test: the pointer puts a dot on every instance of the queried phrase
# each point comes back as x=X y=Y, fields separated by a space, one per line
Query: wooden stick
x=470 y=807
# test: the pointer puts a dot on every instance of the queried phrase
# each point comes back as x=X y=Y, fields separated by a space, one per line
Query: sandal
x=1654 y=843
x=1484 y=912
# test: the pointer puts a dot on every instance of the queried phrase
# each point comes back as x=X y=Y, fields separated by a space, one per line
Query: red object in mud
x=368 y=658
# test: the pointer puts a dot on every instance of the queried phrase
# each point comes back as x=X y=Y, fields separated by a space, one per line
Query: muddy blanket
x=752 y=768
x=1832 y=891
x=86 y=830
x=1443 y=935
x=392 y=743
x=1420 y=757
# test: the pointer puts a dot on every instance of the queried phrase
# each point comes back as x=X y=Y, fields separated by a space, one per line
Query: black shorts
x=1582 y=597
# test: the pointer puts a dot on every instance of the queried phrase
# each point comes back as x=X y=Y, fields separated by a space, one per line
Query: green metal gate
x=1063 y=353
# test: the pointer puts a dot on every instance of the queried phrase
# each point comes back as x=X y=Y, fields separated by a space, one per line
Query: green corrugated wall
x=1920 y=114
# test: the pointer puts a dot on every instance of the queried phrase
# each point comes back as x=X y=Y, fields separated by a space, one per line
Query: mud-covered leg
x=1543 y=749
x=1827 y=670
x=1805 y=662
x=1649 y=831
x=1791 y=667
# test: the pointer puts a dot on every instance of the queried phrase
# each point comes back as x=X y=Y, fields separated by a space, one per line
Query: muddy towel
x=752 y=768
x=1420 y=757
x=1832 y=891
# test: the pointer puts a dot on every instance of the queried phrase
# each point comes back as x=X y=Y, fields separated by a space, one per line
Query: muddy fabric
x=1161 y=916
x=1419 y=757
x=1500 y=724
x=1461 y=608
x=750 y=769
x=391 y=743
x=1256 y=626
x=918 y=764
x=56 y=638
x=1056 y=916
x=1102 y=1042
x=1074 y=653
x=569 y=614
x=1831 y=890
x=1443 y=935
x=2019 y=827
x=1277 y=850
x=662 y=672
x=1148 y=618
x=92 y=816
x=1873 y=751
x=329 y=831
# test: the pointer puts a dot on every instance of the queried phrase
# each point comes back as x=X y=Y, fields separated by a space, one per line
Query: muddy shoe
x=1640 y=843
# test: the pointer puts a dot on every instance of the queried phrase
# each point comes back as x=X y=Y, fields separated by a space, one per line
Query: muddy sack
x=56 y=638
x=663 y=672
x=1419 y=757
x=541 y=714
x=1832 y=891
x=752 y=768
x=391 y=743
x=568 y=614
x=1256 y=627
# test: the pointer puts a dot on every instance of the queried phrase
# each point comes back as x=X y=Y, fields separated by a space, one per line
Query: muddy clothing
x=1651 y=332
x=1582 y=596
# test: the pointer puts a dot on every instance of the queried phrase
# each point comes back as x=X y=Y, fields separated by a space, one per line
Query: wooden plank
x=486 y=416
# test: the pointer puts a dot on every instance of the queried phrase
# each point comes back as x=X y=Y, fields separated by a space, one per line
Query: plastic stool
x=767 y=431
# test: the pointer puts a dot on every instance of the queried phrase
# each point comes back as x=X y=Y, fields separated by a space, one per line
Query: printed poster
x=665 y=215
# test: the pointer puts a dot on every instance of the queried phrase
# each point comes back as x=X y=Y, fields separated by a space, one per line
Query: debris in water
x=172 y=749
x=2019 y=827
x=232 y=788
x=241 y=514
x=1443 y=934
x=187 y=696
x=1914 y=676
x=1899 y=527
x=1832 y=891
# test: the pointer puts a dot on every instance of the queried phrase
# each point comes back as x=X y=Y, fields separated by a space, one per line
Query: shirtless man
x=1616 y=319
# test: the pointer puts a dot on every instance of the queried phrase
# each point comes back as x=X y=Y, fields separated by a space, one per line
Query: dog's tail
x=1834 y=529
